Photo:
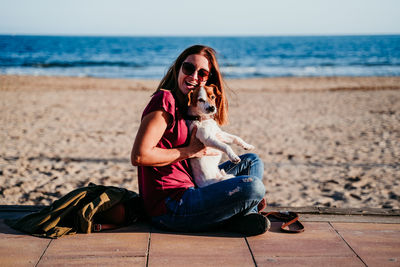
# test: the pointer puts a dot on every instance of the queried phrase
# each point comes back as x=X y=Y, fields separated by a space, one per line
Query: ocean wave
x=241 y=57
x=67 y=64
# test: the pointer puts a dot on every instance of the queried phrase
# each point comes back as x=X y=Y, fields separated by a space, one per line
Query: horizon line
x=190 y=35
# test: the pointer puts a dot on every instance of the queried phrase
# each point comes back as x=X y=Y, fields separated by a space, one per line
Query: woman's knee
x=259 y=188
x=250 y=157
x=255 y=164
x=254 y=188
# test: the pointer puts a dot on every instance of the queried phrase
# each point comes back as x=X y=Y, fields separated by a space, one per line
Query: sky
x=199 y=18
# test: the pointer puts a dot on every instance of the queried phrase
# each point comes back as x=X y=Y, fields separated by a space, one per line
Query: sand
x=331 y=142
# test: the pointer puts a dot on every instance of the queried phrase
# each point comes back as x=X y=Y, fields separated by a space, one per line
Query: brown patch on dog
x=211 y=93
x=192 y=97
x=222 y=116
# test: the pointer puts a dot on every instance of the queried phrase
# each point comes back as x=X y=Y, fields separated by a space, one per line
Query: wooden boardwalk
x=333 y=237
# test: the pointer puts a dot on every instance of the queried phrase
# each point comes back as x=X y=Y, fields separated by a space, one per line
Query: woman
x=163 y=147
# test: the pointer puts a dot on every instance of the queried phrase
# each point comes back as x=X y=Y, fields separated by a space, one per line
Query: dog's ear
x=189 y=96
x=221 y=116
x=215 y=89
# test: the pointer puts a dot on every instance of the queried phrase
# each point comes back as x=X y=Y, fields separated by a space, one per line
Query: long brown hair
x=170 y=80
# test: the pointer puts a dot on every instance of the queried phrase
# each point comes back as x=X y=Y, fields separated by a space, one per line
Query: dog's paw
x=248 y=147
x=225 y=176
x=234 y=158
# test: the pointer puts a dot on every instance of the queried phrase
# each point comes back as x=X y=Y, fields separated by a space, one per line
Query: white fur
x=205 y=169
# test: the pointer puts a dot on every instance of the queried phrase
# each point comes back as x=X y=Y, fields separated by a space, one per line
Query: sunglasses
x=188 y=69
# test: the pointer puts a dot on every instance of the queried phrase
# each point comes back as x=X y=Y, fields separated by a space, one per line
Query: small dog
x=202 y=109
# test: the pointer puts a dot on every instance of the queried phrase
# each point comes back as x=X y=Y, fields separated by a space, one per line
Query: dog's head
x=203 y=101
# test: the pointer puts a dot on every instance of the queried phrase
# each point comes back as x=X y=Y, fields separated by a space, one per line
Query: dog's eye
x=213 y=97
x=201 y=100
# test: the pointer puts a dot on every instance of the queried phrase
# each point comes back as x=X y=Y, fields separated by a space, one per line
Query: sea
x=239 y=57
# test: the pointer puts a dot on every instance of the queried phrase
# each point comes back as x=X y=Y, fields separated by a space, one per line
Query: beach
x=324 y=141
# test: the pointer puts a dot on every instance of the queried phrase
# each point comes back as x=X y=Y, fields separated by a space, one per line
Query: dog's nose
x=211 y=109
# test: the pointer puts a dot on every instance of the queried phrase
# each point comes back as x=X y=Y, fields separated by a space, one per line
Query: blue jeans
x=207 y=207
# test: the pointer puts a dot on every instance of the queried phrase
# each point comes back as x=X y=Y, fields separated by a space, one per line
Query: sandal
x=291 y=223
x=262 y=205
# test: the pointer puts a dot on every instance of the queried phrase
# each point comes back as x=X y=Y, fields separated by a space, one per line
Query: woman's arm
x=151 y=129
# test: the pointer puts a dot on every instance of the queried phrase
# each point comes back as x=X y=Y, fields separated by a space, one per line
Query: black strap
x=192 y=118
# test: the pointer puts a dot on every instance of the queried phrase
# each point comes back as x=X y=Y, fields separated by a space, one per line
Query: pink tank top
x=158 y=183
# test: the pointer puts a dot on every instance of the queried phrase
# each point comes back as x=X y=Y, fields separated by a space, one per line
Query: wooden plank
x=121 y=247
x=338 y=211
x=18 y=249
x=349 y=218
x=375 y=244
x=360 y=211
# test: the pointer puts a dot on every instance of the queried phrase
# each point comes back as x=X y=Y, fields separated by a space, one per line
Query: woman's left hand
x=199 y=147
